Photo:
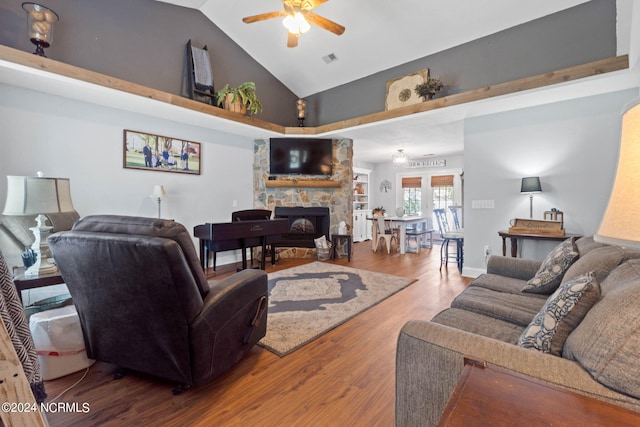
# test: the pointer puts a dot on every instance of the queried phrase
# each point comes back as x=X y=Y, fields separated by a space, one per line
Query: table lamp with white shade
x=35 y=196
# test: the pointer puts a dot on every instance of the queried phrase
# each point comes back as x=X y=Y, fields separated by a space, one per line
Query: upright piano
x=227 y=236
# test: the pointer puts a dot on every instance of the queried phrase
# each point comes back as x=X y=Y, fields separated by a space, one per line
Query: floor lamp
x=529 y=186
x=35 y=196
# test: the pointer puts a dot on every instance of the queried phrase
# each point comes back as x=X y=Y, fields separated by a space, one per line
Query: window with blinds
x=412 y=182
x=442 y=181
x=412 y=195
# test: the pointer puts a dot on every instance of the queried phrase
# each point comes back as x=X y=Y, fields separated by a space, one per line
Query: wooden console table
x=490 y=396
x=514 y=240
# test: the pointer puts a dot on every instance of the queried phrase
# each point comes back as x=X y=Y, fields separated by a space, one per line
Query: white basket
x=324 y=253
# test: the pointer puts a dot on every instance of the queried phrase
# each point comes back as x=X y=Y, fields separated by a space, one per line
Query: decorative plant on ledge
x=239 y=99
x=429 y=88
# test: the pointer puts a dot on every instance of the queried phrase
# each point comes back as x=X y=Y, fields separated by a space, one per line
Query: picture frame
x=147 y=151
x=400 y=91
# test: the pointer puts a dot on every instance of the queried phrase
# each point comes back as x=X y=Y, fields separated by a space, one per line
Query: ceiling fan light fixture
x=296 y=23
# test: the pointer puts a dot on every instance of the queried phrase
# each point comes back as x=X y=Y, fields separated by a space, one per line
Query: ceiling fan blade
x=292 y=40
x=263 y=16
x=325 y=23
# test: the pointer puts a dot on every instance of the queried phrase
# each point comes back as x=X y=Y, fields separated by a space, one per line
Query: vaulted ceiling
x=380 y=34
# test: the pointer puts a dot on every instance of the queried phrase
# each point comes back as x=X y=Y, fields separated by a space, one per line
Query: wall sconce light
x=530 y=185
x=40 y=20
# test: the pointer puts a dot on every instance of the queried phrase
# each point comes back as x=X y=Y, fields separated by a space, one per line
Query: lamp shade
x=530 y=184
x=158 y=192
x=620 y=225
x=32 y=195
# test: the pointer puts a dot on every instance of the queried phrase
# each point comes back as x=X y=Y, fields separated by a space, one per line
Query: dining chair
x=449 y=235
x=388 y=235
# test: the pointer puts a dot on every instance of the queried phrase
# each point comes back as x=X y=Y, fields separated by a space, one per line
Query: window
x=442 y=187
x=412 y=195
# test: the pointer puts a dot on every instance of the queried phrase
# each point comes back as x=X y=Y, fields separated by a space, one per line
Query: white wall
x=573 y=148
x=387 y=171
x=84 y=142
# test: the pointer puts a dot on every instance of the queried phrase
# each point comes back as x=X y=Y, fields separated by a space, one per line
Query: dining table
x=401 y=223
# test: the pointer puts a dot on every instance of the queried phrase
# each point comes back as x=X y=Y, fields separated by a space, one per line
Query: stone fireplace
x=337 y=200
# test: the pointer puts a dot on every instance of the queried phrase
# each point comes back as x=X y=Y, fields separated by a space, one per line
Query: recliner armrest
x=233 y=319
x=517 y=268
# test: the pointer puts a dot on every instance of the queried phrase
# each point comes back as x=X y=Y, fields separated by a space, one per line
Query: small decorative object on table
x=429 y=88
x=40 y=20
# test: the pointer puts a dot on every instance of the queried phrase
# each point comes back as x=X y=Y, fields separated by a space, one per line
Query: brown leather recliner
x=144 y=302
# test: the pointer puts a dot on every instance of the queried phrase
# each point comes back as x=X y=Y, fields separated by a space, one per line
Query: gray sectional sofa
x=593 y=350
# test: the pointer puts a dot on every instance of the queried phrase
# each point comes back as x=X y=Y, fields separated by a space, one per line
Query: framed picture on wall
x=147 y=151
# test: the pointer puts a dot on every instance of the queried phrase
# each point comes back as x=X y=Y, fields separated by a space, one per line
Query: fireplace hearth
x=305 y=225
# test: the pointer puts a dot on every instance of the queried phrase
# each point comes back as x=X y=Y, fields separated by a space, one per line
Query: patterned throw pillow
x=550 y=273
x=561 y=314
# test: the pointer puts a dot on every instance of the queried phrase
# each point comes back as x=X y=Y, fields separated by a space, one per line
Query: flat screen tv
x=300 y=156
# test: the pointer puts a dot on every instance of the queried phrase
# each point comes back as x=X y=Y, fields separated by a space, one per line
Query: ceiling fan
x=297 y=16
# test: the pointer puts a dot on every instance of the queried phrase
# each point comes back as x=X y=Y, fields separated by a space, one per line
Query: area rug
x=310 y=300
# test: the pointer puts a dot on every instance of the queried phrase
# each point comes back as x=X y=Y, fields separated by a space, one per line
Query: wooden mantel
x=302 y=183
x=13 y=58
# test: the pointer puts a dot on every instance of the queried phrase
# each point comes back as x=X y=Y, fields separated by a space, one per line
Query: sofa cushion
x=553 y=268
x=607 y=342
x=560 y=315
x=515 y=308
x=479 y=324
x=587 y=244
x=498 y=283
x=601 y=261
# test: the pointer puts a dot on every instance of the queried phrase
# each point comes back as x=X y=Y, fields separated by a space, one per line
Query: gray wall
x=576 y=36
x=144 y=42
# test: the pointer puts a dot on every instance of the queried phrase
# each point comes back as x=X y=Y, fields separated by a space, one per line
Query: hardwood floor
x=344 y=378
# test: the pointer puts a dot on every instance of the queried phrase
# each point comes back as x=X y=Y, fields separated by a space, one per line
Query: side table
x=23 y=282
x=490 y=396
x=335 y=238
x=514 y=240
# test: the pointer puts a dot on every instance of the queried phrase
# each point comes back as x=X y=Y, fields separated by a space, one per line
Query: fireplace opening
x=305 y=225
x=302 y=226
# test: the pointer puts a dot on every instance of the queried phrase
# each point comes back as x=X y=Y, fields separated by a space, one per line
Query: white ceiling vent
x=329 y=58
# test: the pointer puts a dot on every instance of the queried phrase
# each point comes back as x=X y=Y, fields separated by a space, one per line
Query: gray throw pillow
x=561 y=314
x=607 y=341
x=550 y=273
